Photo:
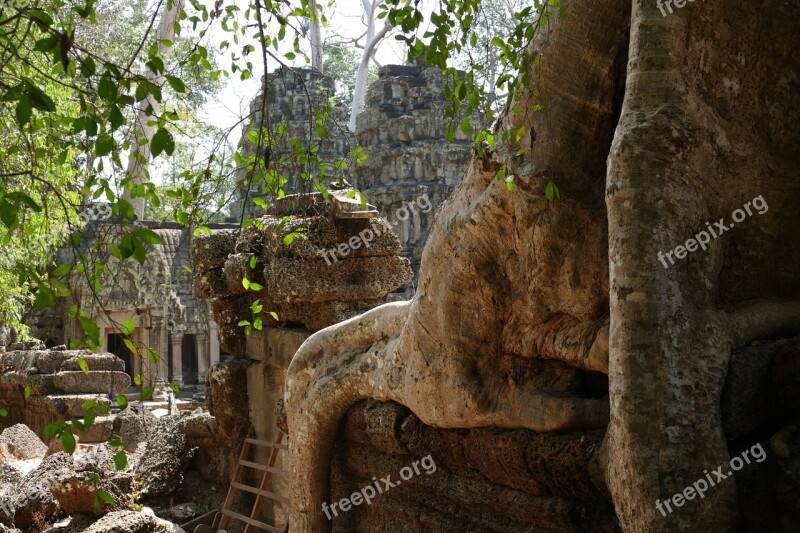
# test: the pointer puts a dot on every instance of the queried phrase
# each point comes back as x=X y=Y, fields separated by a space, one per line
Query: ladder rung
x=267 y=444
x=264 y=468
x=265 y=493
x=256 y=523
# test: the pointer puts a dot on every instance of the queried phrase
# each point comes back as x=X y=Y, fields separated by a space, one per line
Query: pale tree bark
x=650 y=128
x=316 y=38
x=373 y=38
x=144 y=127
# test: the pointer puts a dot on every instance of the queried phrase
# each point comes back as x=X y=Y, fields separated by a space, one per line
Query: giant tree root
x=515 y=291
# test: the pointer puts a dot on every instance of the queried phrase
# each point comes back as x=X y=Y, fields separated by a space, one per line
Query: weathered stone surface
x=22 y=442
x=166 y=455
x=233 y=340
x=209 y=284
x=211 y=251
x=35 y=506
x=226 y=397
x=318 y=235
x=134 y=425
x=132 y=522
x=365 y=278
x=478 y=479
x=76 y=492
x=237 y=268
x=77 y=382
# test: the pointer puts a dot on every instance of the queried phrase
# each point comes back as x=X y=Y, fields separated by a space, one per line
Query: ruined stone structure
x=401 y=131
x=306 y=291
x=296 y=98
x=57 y=387
x=156 y=295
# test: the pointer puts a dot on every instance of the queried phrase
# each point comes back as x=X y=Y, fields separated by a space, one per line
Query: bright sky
x=344 y=19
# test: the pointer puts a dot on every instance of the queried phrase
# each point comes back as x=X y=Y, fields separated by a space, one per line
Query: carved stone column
x=177 y=358
x=201 y=340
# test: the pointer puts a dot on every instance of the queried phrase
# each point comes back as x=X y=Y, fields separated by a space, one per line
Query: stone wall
x=402 y=131
x=58 y=387
x=296 y=99
x=472 y=480
x=306 y=290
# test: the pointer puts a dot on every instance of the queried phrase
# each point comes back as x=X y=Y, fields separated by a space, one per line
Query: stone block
x=364 y=278
x=98 y=382
x=211 y=251
x=209 y=284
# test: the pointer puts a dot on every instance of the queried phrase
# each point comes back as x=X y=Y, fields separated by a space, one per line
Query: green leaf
x=69 y=440
x=120 y=460
x=147 y=393
x=175 y=387
x=53 y=428
x=88 y=68
x=105 y=497
x=176 y=83
x=153 y=356
x=107 y=89
x=61 y=270
x=128 y=327
x=148 y=236
x=130 y=345
x=274 y=315
x=83 y=365
x=26 y=391
x=162 y=142
x=24 y=110
x=122 y=401
x=88 y=418
x=115 y=117
x=137 y=380
x=104 y=145
x=551 y=191
x=3 y=411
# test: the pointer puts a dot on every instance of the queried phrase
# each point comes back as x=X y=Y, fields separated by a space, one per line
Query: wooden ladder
x=226 y=514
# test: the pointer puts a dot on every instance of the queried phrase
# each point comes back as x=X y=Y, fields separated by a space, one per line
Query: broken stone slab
x=367 y=278
x=23 y=443
x=52 y=361
x=211 y=251
x=35 y=506
x=298 y=204
x=93 y=382
x=134 y=425
x=76 y=491
x=62 y=406
x=347 y=205
x=232 y=339
x=132 y=522
x=166 y=455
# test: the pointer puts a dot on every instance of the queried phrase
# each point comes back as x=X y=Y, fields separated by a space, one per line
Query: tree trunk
x=316 y=38
x=143 y=130
x=650 y=128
